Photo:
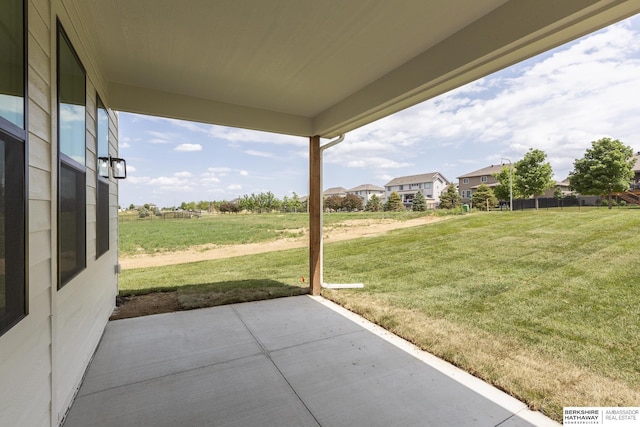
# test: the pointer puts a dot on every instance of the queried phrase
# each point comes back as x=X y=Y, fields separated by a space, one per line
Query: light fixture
x=117 y=165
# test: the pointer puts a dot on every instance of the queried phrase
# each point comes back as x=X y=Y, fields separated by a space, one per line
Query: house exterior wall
x=44 y=356
x=430 y=189
x=439 y=186
x=466 y=185
x=365 y=195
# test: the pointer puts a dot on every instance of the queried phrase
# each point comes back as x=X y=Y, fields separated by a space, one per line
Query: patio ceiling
x=310 y=67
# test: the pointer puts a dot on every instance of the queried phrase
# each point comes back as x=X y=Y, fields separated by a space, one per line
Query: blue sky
x=558 y=102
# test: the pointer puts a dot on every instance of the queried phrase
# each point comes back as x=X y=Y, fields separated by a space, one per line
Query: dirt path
x=337 y=232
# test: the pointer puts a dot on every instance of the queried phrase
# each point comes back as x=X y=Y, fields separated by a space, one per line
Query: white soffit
x=314 y=67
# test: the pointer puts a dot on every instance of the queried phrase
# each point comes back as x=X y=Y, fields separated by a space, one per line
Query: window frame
x=18 y=309
x=102 y=211
x=65 y=161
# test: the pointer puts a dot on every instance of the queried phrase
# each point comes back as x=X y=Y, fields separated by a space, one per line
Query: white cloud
x=244 y=173
x=244 y=135
x=260 y=154
x=558 y=103
x=183 y=174
x=188 y=147
x=209 y=178
x=234 y=187
x=72 y=113
x=377 y=163
x=237 y=135
x=159 y=137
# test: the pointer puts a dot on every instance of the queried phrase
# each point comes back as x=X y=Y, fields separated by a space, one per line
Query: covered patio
x=314 y=69
x=297 y=361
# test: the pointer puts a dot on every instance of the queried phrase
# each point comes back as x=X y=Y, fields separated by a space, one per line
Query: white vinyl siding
x=44 y=356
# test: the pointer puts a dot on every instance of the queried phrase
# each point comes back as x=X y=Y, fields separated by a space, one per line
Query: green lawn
x=545 y=305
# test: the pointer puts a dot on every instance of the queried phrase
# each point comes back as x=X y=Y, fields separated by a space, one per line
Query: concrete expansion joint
x=267 y=353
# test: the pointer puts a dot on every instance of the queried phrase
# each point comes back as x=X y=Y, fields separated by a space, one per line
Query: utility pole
x=510 y=183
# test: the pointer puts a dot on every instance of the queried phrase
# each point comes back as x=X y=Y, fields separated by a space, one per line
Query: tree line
x=605 y=168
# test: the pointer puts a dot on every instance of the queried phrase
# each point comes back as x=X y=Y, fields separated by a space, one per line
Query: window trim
x=15 y=313
x=22 y=135
x=69 y=162
x=101 y=250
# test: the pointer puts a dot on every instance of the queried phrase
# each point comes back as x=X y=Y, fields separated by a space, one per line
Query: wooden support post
x=314 y=201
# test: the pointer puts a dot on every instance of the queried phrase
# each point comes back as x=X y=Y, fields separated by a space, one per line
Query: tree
x=607 y=167
x=394 y=203
x=374 y=204
x=532 y=175
x=449 y=199
x=418 y=203
x=230 y=207
x=286 y=204
x=506 y=184
x=558 y=195
x=247 y=203
x=483 y=198
x=295 y=204
x=203 y=205
x=333 y=203
x=351 y=203
x=270 y=201
x=132 y=207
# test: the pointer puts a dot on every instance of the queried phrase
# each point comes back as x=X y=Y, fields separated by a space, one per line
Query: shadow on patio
x=297 y=361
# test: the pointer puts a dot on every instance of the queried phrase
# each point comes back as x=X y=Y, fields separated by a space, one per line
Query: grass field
x=545 y=305
x=150 y=236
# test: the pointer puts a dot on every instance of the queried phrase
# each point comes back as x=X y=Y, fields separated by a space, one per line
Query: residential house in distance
x=365 y=192
x=636 y=169
x=335 y=191
x=429 y=184
x=468 y=183
x=562 y=185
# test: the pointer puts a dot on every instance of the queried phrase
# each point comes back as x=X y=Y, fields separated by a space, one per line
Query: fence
x=151 y=216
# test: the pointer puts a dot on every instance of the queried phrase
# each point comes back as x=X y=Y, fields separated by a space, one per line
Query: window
x=102 y=184
x=427 y=185
x=484 y=178
x=12 y=75
x=400 y=187
x=465 y=180
x=71 y=162
x=13 y=302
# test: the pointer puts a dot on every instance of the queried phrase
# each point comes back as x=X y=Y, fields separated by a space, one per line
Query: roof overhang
x=308 y=67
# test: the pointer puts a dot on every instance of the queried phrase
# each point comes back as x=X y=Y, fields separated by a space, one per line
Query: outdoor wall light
x=118 y=167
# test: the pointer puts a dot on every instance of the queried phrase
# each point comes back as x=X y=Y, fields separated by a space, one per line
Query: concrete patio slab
x=299 y=361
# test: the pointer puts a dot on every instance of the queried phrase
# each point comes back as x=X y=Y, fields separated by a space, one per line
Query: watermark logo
x=601 y=416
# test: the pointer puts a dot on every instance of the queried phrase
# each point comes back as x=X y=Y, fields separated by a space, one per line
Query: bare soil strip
x=343 y=231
